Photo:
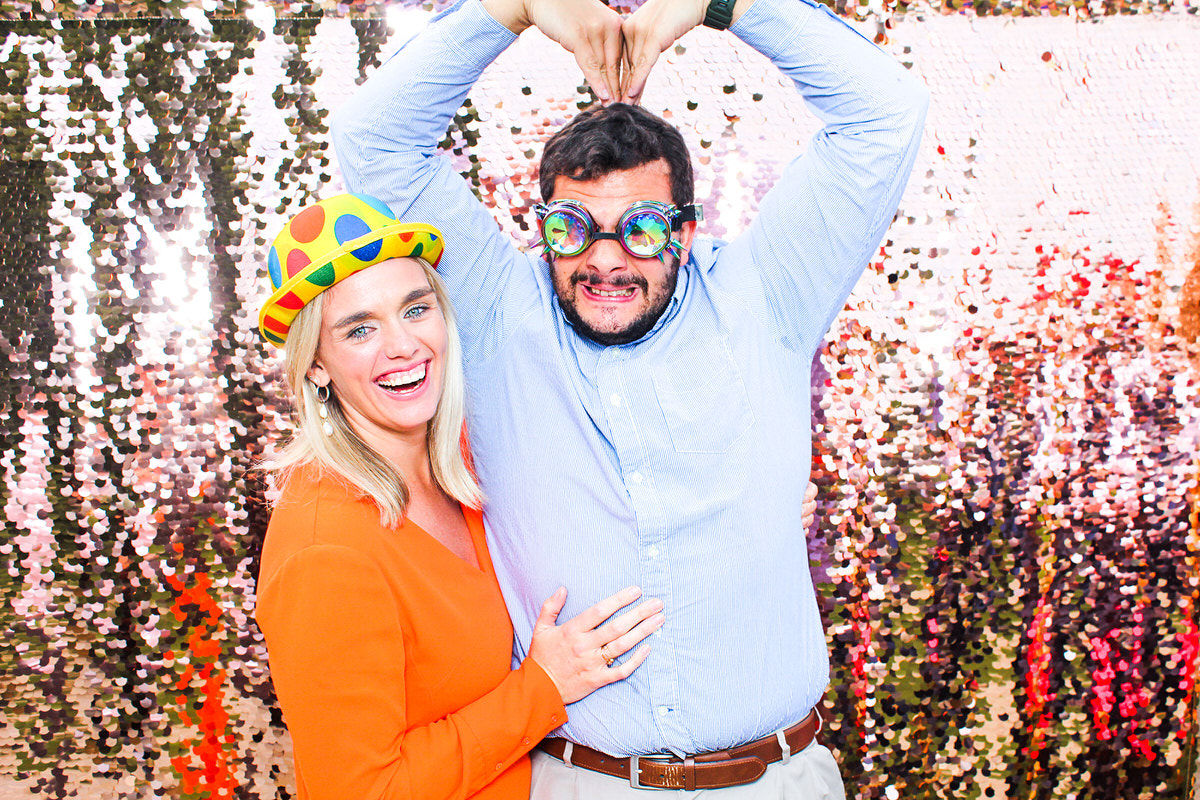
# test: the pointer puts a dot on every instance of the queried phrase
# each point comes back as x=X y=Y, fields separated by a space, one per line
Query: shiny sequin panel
x=1005 y=416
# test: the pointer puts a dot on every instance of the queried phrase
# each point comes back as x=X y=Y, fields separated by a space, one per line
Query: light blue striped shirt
x=678 y=462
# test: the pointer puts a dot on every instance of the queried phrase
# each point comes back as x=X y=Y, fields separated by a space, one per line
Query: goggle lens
x=645 y=229
x=645 y=232
x=566 y=232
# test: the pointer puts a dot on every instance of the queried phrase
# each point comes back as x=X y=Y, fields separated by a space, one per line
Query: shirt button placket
x=624 y=412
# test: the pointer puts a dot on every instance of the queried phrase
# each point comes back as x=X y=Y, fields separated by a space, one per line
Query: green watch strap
x=719 y=14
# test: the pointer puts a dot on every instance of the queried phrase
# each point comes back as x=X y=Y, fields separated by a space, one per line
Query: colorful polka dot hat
x=329 y=241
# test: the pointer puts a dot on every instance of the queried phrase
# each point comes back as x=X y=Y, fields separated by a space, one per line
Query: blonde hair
x=344 y=452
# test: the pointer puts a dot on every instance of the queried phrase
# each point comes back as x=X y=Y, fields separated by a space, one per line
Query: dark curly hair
x=612 y=138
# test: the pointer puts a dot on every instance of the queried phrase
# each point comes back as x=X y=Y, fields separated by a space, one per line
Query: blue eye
x=416 y=311
x=358 y=333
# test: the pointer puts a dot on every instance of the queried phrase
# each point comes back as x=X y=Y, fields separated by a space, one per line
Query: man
x=639 y=398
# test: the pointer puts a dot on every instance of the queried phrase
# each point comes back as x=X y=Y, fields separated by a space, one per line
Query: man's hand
x=808 y=511
x=650 y=30
x=654 y=27
x=587 y=28
x=616 y=55
x=592 y=32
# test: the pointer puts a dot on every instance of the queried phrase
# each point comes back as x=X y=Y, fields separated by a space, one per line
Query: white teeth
x=398 y=379
x=611 y=292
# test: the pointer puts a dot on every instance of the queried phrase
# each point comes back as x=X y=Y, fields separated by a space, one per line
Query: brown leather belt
x=733 y=767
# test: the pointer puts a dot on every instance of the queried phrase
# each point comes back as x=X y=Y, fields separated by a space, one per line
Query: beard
x=656 y=303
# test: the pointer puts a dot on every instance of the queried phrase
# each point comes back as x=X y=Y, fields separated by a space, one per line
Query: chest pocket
x=703 y=398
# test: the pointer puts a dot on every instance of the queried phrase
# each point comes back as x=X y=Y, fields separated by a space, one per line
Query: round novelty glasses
x=644 y=230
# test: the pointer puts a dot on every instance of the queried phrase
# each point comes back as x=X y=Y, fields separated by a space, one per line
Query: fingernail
x=655 y=603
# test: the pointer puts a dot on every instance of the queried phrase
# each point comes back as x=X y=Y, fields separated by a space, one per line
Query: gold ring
x=608 y=660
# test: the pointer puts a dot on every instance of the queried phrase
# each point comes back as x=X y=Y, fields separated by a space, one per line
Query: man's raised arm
x=821 y=223
x=386 y=136
x=818 y=227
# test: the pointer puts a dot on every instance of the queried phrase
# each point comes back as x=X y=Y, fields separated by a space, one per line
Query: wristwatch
x=719 y=14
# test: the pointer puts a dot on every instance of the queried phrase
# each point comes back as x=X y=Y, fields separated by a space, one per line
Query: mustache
x=617 y=280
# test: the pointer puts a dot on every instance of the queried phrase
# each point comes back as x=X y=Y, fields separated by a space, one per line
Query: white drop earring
x=323 y=395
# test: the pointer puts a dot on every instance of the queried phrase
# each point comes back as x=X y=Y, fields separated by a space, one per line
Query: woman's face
x=383 y=349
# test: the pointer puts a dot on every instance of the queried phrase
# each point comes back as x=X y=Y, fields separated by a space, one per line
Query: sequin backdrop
x=1006 y=415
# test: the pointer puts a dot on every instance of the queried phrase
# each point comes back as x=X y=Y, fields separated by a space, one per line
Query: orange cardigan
x=391 y=657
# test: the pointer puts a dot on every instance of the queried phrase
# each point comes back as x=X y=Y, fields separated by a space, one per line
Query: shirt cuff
x=474 y=33
x=761 y=24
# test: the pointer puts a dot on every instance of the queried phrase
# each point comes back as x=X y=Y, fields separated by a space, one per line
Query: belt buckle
x=671 y=776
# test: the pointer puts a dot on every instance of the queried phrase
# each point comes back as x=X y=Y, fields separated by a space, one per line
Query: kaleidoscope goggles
x=644 y=230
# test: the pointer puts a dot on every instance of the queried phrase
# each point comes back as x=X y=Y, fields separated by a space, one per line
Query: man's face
x=610 y=296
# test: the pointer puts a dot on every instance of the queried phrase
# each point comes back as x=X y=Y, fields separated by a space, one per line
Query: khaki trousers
x=811 y=774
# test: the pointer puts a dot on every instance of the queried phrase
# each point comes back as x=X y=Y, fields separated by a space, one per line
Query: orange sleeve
x=337 y=659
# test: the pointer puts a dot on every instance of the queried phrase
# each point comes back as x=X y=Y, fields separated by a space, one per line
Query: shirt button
x=636 y=477
x=525 y=740
x=615 y=399
x=499 y=767
x=652 y=551
x=554 y=718
x=663 y=711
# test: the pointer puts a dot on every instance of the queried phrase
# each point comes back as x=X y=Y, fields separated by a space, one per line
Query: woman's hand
x=580 y=655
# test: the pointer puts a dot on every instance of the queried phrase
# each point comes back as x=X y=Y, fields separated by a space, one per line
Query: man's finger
x=588 y=29
x=598 y=54
x=613 y=48
x=598 y=72
x=637 y=84
x=640 y=59
x=598 y=80
x=626 y=68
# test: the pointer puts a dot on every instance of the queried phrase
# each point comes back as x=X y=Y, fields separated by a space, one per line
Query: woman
x=389 y=644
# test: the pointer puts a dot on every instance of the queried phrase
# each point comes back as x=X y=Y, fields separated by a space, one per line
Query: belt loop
x=783 y=745
x=568 y=748
x=689 y=774
x=817 y=710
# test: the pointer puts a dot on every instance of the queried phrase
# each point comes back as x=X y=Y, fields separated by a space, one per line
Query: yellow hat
x=329 y=241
